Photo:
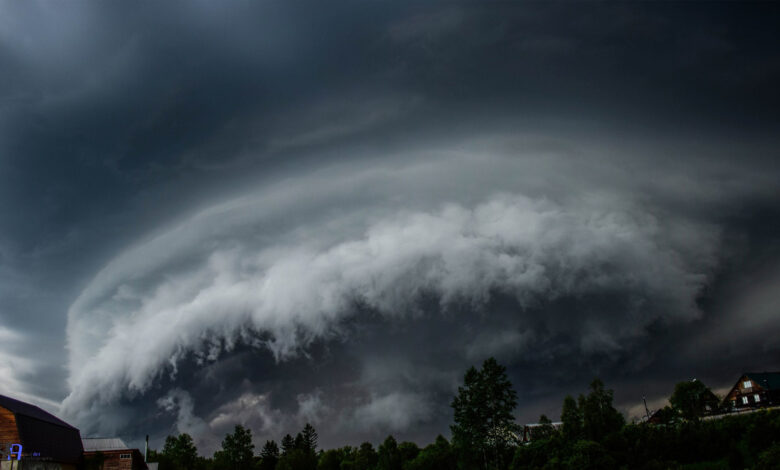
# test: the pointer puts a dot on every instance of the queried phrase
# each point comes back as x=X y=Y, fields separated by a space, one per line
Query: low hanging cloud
x=254 y=411
x=393 y=412
x=277 y=270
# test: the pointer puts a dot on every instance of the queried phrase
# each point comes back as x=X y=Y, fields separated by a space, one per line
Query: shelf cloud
x=278 y=213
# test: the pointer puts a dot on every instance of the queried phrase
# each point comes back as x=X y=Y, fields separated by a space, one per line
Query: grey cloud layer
x=377 y=196
x=290 y=265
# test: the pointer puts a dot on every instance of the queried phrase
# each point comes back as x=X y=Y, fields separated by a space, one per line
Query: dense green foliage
x=299 y=453
x=237 y=451
x=593 y=435
x=485 y=427
x=269 y=456
x=730 y=442
x=179 y=453
x=693 y=399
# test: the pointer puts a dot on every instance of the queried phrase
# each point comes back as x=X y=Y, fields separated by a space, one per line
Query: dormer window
x=747 y=384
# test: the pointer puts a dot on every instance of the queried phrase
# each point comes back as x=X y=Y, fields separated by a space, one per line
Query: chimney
x=146 y=449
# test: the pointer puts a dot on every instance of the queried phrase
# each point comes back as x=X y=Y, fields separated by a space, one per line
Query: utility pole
x=647 y=412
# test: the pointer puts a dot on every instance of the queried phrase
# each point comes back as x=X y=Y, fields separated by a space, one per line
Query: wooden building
x=46 y=442
x=754 y=390
x=535 y=431
x=112 y=454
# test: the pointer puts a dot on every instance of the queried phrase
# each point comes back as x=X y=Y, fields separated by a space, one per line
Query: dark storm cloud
x=273 y=213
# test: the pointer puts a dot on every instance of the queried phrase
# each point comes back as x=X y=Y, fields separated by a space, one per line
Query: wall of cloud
x=297 y=263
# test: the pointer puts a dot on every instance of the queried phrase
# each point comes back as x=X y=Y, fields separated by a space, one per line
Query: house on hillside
x=33 y=438
x=112 y=454
x=754 y=390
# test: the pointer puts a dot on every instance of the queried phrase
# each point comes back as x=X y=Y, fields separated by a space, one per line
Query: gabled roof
x=767 y=380
x=44 y=433
x=101 y=444
x=25 y=409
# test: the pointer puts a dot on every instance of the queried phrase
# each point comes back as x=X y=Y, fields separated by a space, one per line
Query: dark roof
x=21 y=408
x=767 y=380
x=43 y=433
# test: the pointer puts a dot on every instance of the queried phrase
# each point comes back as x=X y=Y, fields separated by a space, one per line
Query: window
x=747 y=384
x=756 y=398
x=125 y=456
x=744 y=400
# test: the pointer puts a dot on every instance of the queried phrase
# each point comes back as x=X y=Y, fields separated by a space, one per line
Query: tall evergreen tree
x=300 y=453
x=484 y=426
x=237 y=450
x=269 y=456
x=180 y=452
x=309 y=436
x=288 y=444
x=298 y=442
x=599 y=417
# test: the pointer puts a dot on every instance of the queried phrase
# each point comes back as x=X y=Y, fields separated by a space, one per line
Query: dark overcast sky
x=269 y=213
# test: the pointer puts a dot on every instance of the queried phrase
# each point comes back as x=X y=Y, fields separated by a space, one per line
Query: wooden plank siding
x=9 y=433
x=738 y=389
x=739 y=393
x=112 y=459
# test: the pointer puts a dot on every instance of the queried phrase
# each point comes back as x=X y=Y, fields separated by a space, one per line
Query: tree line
x=484 y=435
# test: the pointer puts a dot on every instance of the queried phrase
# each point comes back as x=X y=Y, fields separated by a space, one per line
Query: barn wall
x=8 y=430
x=113 y=462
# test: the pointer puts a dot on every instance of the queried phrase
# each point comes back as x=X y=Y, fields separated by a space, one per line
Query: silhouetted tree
x=388 y=456
x=692 y=399
x=309 y=438
x=366 y=457
x=484 y=423
x=436 y=456
x=179 y=453
x=297 y=459
x=408 y=451
x=237 y=450
x=599 y=417
x=298 y=442
x=331 y=459
x=288 y=444
x=571 y=419
x=269 y=456
x=301 y=452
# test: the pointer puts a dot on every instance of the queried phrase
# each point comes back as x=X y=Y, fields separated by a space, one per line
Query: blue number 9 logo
x=16 y=449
